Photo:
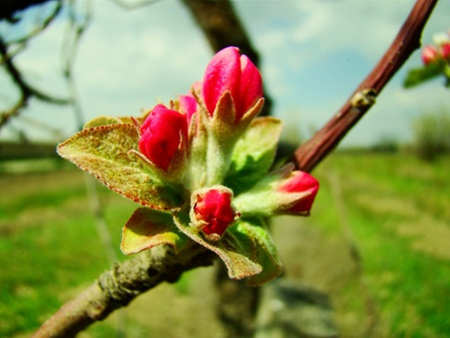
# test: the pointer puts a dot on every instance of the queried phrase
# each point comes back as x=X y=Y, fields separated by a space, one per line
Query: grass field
x=378 y=242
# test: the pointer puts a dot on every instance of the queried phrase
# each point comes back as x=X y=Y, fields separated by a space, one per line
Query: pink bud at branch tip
x=229 y=71
x=429 y=54
x=213 y=211
x=161 y=135
x=301 y=182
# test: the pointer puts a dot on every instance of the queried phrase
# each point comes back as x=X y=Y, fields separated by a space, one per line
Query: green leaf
x=235 y=250
x=253 y=154
x=265 y=249
x=104 y=152
x=148 y=228
x=106 y=120
x=101 y=121
x=419 y=75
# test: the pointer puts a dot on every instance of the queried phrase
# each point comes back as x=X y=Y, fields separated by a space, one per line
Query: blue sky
x=314 y=54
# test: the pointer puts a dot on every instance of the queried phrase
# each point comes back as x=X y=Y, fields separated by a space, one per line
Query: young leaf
x=101 y=121
x=265 y=249
x=106 y=120
x=104 y=152
x=148 y=228
x=417 y=76
x=253 y=154
x=237 y=252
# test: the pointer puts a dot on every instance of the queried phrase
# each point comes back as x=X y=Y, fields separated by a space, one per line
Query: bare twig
x=38 y=29
x=311 y=153
x=26 y=90
x=22 y=41
x=160 y=264
x=9 y=7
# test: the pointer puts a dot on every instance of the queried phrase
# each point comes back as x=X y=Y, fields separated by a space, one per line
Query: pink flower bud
x=161 y=135
x=300 y=182
x=429 y=54
x=188 y=106
x=213 y=211
x=229 y=71
x=445 y=50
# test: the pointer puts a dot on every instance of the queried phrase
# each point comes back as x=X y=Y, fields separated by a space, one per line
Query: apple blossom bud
x=212 y=211
x=229 y=71
x=445 y=50
x=187 y=106
x=161 y=135
x=282 y=192
x=300 y=182
x=429 y=54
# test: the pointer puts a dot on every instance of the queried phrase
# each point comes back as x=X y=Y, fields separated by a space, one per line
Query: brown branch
x=311 y=153
x=117 y=287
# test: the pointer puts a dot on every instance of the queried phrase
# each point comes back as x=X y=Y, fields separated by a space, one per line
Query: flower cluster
x=439 y=51
x=200 y=168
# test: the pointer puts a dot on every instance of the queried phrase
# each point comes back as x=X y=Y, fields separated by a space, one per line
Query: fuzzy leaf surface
x=148 y=228
x=237 y=251
x=253 y=154
x=103 y=151
x=266 y=253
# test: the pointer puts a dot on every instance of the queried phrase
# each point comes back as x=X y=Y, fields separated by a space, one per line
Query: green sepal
x=253 y=154
x=104 y=152
x=266 y=253
x=235 y=249
x=265 y=200
x=148 y=228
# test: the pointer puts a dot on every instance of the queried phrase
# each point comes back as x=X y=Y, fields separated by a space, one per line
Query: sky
x=314 y=54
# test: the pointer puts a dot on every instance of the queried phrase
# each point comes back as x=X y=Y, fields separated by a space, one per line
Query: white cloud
x=129 y=59
x=140 y=64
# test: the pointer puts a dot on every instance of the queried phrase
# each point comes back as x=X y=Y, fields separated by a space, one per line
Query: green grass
x=396 y=206
x=49 y=245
